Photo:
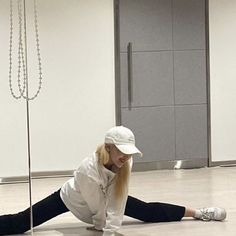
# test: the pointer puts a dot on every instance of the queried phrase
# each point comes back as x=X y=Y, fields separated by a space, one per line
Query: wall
x=76 y=105
x=222 y=34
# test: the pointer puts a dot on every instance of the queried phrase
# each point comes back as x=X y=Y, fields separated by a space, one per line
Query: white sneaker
x=211 y=213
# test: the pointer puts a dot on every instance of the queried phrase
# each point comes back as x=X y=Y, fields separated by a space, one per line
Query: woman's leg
x=163 y=212
x=189 y=212
x=153 y=211
x=43 y=211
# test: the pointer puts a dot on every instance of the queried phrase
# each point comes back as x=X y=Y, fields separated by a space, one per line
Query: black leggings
x=53 y=206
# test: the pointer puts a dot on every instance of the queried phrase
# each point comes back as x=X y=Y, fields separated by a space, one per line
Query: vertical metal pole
x=117 y=62
x=28 y=125
x=130 y=75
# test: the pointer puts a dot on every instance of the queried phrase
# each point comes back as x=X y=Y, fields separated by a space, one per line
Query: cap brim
x=129 y=149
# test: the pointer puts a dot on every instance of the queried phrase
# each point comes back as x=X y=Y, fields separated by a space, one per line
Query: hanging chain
x=21 y=53
x=10 y=53
x=38 y=51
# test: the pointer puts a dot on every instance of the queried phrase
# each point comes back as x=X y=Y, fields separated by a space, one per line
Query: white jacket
x=89 y=196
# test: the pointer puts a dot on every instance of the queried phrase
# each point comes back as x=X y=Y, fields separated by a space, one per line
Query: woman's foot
x=210 y=213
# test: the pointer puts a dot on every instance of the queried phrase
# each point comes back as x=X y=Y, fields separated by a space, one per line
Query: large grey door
x=162 y=74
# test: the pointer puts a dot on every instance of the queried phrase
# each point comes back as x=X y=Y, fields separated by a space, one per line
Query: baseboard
x=137 y=166
x=171 y=165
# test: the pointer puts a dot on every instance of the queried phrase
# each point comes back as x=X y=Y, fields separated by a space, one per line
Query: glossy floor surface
x=192 y=188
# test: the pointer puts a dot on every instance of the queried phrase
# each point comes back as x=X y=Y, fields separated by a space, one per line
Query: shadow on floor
x=67 y=230
x=80 y=229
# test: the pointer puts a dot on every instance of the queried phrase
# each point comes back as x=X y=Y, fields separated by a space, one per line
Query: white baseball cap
x=123 y=138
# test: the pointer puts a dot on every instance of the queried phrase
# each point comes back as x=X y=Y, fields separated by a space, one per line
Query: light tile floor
x=193 y=188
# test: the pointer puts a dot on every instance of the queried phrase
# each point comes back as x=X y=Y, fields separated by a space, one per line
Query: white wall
x=222 y=23
x=77 y=102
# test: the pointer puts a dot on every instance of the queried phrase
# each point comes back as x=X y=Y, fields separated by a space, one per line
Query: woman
x=98 y=193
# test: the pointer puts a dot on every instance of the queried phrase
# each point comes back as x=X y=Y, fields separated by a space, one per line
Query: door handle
x=130 y=75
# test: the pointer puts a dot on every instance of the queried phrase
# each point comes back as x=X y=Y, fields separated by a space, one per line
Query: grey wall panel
x=190 y=77
x=189 y=24
x=191 y=132
x=148 y=24
x=154 y=131
x=152 y=79
x=169 y=109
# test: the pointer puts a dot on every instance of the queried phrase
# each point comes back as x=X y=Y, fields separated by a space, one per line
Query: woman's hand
x=93 y=228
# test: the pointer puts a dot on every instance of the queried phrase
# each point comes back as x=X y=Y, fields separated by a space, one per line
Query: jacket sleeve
x=115 y=209
x=115 y=212
x=94 y=197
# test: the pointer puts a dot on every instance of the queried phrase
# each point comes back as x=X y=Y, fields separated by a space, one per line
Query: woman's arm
x=115 y=210
x=95 y=199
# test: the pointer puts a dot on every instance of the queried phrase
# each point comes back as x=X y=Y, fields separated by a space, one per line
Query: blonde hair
x=122 y=175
